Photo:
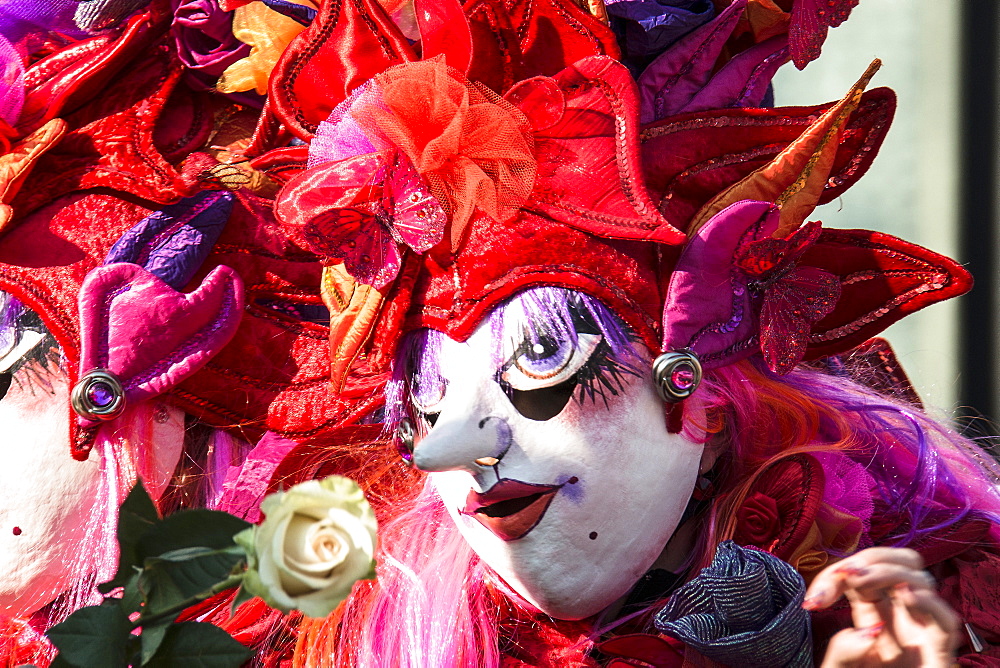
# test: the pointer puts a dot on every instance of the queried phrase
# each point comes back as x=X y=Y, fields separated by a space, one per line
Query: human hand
x=899 y=620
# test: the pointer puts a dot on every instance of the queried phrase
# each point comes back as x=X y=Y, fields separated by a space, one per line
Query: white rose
x=317 y=539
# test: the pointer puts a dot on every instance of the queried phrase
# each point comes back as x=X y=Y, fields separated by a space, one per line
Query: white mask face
x=49 y=500
x=47 y=495
x=556 y=463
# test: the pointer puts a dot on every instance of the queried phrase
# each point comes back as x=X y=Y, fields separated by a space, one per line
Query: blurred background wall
x=934 y=181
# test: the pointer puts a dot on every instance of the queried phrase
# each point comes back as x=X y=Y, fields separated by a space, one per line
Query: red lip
x=511 y=508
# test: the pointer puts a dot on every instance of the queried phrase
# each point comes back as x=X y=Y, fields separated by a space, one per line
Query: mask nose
x=463 y=444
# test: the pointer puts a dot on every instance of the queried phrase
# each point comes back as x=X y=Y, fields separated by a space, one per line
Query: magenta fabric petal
x=709 y=307
x=11 y=82
x=673 y=79
x=246 y=485
x=148 y=334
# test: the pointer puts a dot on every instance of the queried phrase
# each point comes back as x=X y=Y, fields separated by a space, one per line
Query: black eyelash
x=38 y=366
x=601 y=374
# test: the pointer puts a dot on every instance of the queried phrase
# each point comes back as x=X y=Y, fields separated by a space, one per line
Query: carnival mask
x=51 y=532
x=546 y=440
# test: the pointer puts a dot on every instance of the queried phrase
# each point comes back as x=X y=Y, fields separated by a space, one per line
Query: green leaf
x=242 y=596
x=176 y=576
x=60 y=662
x=199 y=645
x=190 y=528
x=152 y=638
x=131 y=596
x=136 y=515
x=93 y=637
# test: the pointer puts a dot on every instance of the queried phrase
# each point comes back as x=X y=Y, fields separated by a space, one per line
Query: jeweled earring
x=676 y=375
x=98 y=396
x=405 y=439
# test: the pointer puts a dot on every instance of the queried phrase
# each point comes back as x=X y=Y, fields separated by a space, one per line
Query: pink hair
x=432 y=601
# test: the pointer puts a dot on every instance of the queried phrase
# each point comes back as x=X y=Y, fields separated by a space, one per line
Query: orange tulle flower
x=474 y=148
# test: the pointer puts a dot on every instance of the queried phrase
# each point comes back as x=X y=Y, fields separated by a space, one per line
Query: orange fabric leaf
x=766 y=19
x=16 y=164
x=794 y=180
x=354 y=308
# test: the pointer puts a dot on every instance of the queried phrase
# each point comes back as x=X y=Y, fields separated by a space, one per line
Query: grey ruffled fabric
x=745 y=610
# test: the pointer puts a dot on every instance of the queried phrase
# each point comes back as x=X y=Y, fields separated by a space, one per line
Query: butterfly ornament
x=368 y=236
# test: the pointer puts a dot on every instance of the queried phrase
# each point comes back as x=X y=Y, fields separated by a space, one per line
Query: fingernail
x=852 y=571
x=872 y=631
x=815 y=601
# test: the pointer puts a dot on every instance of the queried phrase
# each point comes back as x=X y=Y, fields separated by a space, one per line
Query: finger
x=929 y=610
x=872 y=583
x=870 y=610
x=851 y=647
x=879 y=567
x=903 y=556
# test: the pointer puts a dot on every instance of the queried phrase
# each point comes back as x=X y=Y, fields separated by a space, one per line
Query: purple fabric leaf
x=646 y=28
x=10 y=309
x=205 y=41
x=298 y=13
x=672 y=80
x=11 y=82
x=172 y=243
x=20 y=17
x=743 y=81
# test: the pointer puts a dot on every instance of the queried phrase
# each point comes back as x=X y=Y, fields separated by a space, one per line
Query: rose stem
x=230 y=582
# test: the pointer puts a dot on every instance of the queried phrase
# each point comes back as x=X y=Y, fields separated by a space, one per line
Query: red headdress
x=573 y=192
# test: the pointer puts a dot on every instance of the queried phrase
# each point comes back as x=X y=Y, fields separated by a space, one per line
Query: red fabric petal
x=883 y=279
x=68 y=79
x=592 y=179
x=346 y=44
x=554 y=34
x=688 y=159
x=444 y=30
x=111 y=143
x=497 y=62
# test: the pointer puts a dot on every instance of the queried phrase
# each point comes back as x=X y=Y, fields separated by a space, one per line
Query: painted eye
x=547 y=361
x=427 y=389
x=19 y=349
